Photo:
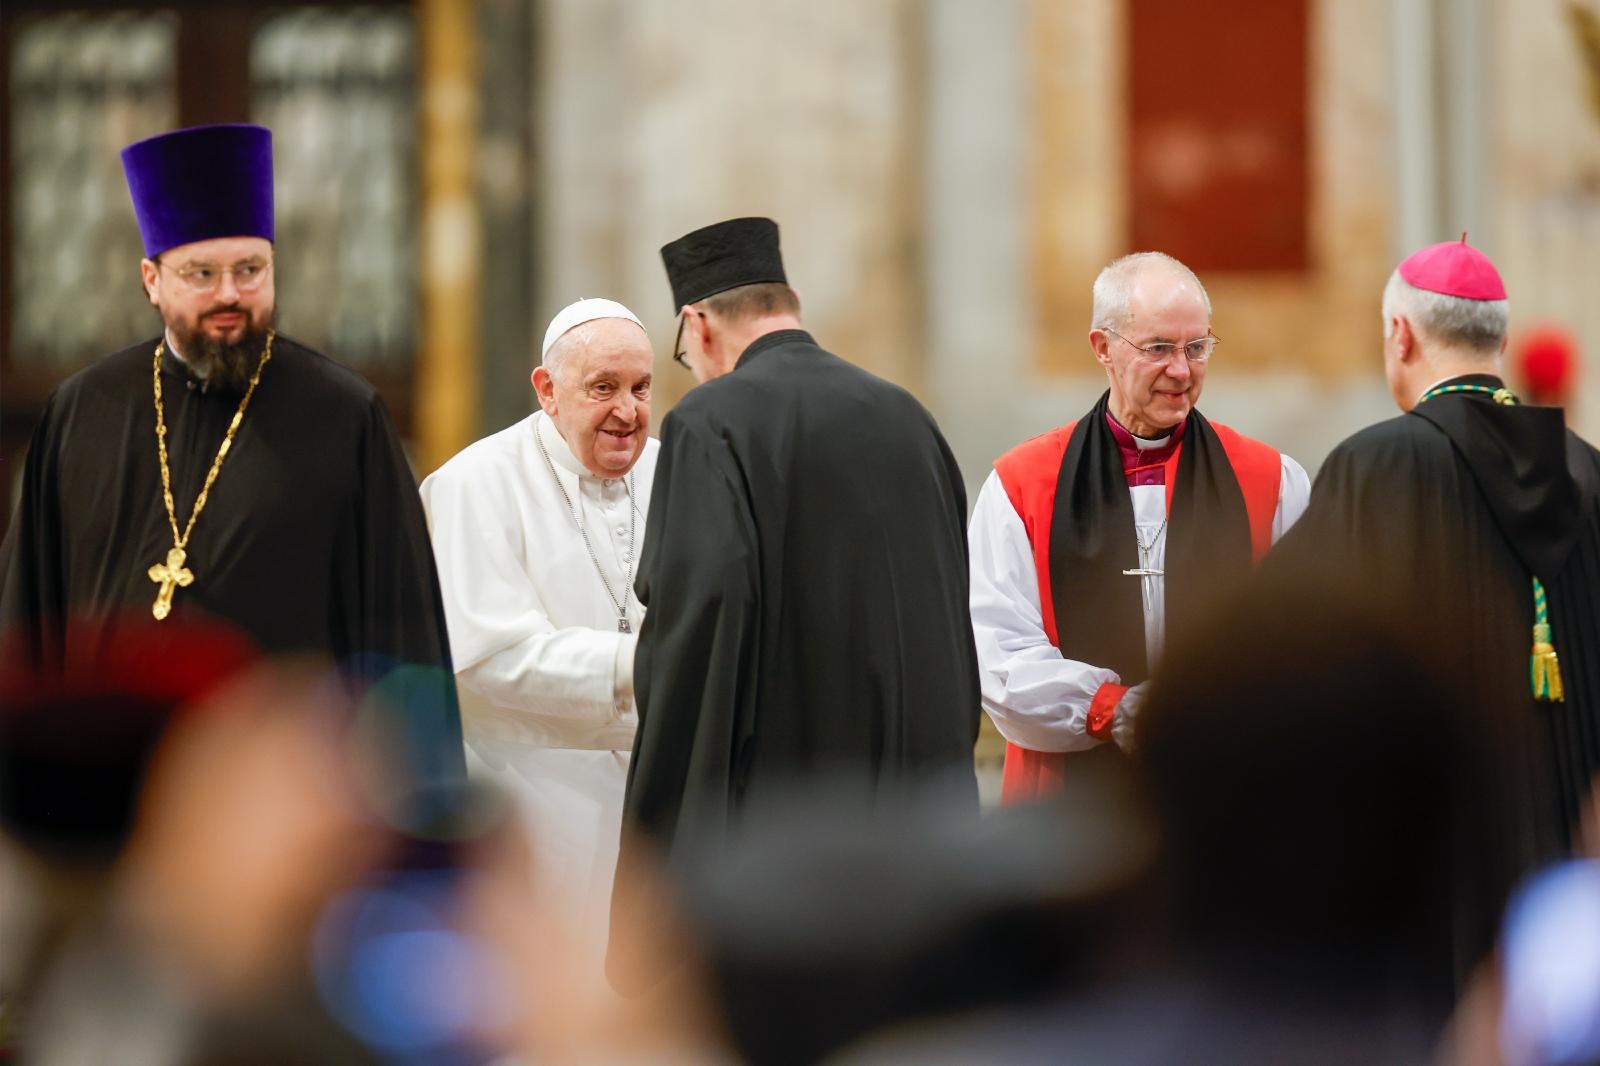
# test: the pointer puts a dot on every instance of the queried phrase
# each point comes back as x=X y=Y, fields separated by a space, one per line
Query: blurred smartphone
x=1551 y=958
x=391 y=965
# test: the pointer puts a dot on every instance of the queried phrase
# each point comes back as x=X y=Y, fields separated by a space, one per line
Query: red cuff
x=1103 y=709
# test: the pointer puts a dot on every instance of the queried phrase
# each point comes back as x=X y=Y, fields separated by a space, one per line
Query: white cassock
x=1037 y=697
x=546 y=679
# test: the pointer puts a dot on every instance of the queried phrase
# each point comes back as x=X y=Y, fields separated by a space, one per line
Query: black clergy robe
x=1450 y=511
x=313 y=538
x=805 y=573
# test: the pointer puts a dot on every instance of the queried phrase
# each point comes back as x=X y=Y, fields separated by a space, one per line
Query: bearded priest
x=223 y=469
x=1076 y=532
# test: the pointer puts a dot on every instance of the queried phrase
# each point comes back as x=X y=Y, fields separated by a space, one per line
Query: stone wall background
x=948 y=178
x=665 y=115
x=1545 y=122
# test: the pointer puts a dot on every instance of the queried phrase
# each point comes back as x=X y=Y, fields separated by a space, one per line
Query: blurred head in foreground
x=181 y=812
x=1316 y=775
x=838 y=910
x=1312 y=777
x=75 y=743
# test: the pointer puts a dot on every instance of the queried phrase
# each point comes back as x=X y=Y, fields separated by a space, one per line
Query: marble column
x=447 y=379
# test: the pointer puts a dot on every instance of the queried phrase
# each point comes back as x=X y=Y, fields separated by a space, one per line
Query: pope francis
x=536 y=530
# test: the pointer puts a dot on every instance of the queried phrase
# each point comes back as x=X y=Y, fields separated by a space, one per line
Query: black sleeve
x=694 y=669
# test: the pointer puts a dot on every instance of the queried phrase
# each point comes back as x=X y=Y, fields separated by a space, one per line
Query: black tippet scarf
x=1099 y=610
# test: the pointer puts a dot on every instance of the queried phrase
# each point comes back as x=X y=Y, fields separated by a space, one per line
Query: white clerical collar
x=560 y=454
x=197 y=372
x=1144 y=444
x=1147 y=445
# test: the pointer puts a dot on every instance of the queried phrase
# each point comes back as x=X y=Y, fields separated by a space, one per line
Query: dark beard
x=222 y=365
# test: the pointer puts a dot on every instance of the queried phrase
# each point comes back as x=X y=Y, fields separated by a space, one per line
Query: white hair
x=572 y=318
x=573 y=342
x=1480 y=325
x=1113 y=289
x=562 y=349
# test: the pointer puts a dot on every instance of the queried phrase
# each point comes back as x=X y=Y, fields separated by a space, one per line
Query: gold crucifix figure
x=169 y=576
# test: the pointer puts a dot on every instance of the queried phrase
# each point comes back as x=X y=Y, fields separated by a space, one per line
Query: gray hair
x=573 y=341
x=1477 y=324
x=1113 y=288
x=570 y=341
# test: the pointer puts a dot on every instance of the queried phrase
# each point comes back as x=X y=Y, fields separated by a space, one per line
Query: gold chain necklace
x=172 y=574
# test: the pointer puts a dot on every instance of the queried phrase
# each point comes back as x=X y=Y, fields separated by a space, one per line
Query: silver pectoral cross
x=1145 y=550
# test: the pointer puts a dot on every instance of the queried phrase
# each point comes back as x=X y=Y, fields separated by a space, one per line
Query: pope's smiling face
x=595 y=387
x=1150 y=396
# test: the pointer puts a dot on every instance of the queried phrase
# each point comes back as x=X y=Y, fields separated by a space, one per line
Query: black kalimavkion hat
x=722 y=256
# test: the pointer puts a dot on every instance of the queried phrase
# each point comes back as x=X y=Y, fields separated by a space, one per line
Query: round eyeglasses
x=205 y=277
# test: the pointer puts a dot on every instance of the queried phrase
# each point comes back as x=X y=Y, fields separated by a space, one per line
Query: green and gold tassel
x=1544 y=669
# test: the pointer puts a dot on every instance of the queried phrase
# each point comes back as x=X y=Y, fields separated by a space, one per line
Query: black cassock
x=1451 y=511
x=313 y=538
x=805 y=569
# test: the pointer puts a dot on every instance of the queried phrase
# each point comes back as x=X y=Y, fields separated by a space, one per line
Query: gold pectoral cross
x=170 y=576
